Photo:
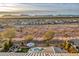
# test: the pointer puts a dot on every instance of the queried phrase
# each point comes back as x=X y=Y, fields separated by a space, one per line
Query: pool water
x=36 y=49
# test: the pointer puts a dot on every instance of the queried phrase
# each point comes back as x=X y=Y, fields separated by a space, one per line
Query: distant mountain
x=37 y=13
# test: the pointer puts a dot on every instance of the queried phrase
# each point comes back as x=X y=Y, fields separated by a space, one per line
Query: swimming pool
x=36 y=49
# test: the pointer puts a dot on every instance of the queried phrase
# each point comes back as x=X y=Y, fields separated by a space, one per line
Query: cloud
x=52 y=8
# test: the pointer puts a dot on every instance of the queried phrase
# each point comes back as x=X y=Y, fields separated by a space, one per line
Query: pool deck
x=48 y=51
x=39 y=54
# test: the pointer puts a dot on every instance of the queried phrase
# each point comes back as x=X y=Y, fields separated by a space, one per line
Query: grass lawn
x=24 y=50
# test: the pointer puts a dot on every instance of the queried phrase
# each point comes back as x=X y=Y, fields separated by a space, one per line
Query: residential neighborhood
x=39 y=37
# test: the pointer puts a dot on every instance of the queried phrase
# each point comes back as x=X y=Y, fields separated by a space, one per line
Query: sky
x=41 y=8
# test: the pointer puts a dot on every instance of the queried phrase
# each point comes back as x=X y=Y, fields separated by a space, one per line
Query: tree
x=6 y=47
x=48 y=36
x=72 y=50
x=9 y=33
x=0 y=35
x=66 y=35
x=10 y=43
x=67 y=45
x=28 y=38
